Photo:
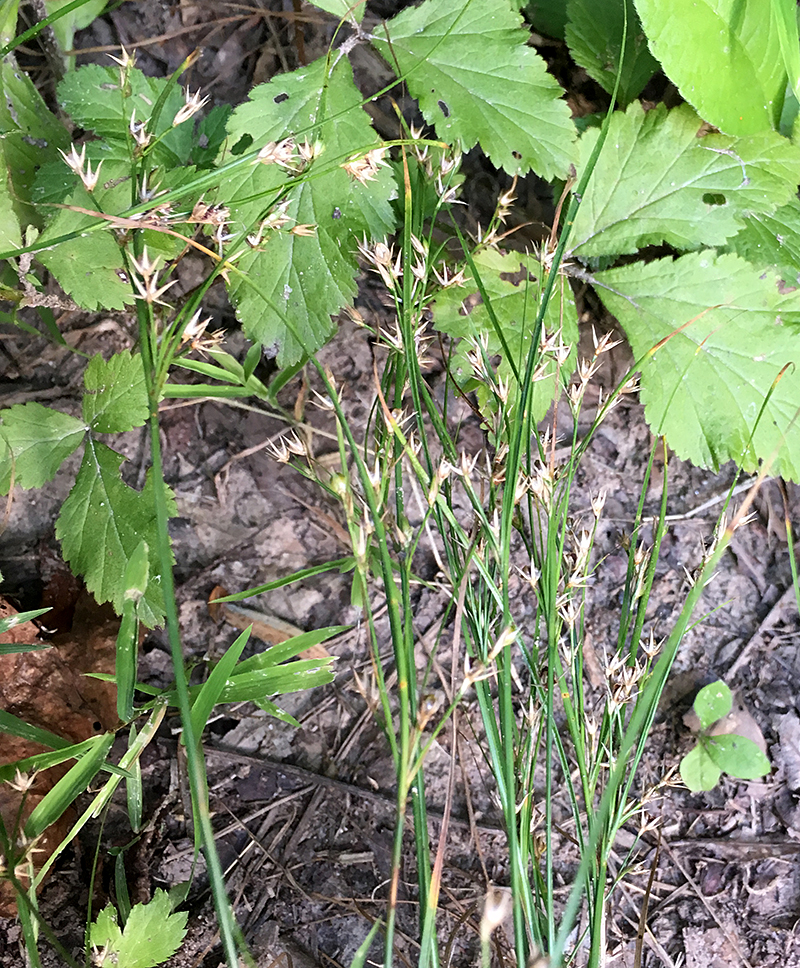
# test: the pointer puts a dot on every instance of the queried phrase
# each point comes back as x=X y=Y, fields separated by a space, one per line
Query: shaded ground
x=305 y=817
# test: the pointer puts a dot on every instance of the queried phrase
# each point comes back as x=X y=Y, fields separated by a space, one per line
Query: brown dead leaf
x=49 y=689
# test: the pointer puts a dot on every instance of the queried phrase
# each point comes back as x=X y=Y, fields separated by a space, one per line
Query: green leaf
x=38 y=440
x=211 y=690
x=116 y=394
x=89 y=267
x=476 y=80
x=211 y=135
x=657 y=181
x=698 y=771
x=65 y=27
x=705 y=386
x=94 y=99
x=152 y=934
x=29 y=136
x=594 y=36
x=712 y=703
x=289 y=649
x=548 y=17
x=724 y=56
x=737 y=755
x=15 y=726
x=56 y=800
x=101 y=525
x=256 y=685
x=295 y=283
x=350 y=10
x=512 y=286
x=772 y=240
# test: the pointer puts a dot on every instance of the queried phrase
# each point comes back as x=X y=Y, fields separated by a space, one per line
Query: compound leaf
x=594 y=35
x=476 y=80
x=102 y=522
x=37 y=442
x=290 y=284
x=662 y=177
x=116 y=396
x=737 y=83
x=725 y=332
x=512 y=284
x=152 y=934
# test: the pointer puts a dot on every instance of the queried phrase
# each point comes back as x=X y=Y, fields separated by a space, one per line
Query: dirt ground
x=305 y=816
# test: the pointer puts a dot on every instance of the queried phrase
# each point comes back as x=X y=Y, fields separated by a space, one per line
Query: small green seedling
x=151 y=935
x=718 y=752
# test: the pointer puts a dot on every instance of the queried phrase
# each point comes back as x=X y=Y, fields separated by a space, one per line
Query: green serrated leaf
x=737 y=756
x=89 y=267
x=738 y=81
x=295 y=283
x=211 y=135
x=657 y=181
x=102 y=523
x=94 y=99
x=476 y=80
x=152 y=934
x=37 y=442
x=772 y=240
x=512 y=284
x=548 y=17
x=705 y=386
x=116 y=394
x=712 y=703
x=594 y=36
x=698 y=771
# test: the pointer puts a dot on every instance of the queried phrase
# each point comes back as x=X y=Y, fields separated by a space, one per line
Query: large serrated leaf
x=102 y=523
x=723 y=55
x=594 y=35
x=299 y=281
x=659 y=178
x=732 y=329
x=89 y=267
x=476 y=81
x=512 y=284
x=116 y=395
x=94 y=99
x=37 y=442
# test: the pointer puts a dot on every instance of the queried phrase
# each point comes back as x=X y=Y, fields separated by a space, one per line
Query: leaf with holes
x=289 y=283
x=477 y=81
x=662 y=177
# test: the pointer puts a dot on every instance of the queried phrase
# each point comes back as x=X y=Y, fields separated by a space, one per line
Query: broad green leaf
x=38 y=440
x=89 y=267
x=299 y=281
x=352 y=10
x=732 y=330
x=712 y=703
x=477 y=81
x=547 y=16
x=102 y=523
x=56 y=800
x=594 y=36
x=257 y=685
x=512 y=285
x=662 y=177
x=152 y=934
x=737 y=755
x=93 y=98
x=64 y=28
x=698 y=771
x=29 y=137
x=786 y=24
x=211 y=135
x=772 y=240
x=724 y=56
x=116 y=395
